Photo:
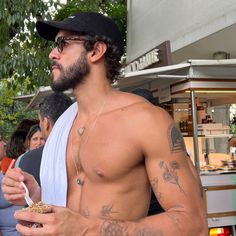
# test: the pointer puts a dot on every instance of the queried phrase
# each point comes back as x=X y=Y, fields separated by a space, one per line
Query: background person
x=102 y=145
x=7 y=221
x=50 y=109
x=2 y=149
x=25 y=124
x=15 y=147
x=34 y=137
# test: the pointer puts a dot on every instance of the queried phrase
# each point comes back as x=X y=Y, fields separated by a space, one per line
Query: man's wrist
x=37 y=195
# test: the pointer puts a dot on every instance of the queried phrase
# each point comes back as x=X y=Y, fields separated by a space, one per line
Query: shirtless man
x=119 y=147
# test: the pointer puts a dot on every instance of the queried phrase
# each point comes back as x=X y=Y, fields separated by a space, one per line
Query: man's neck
x=90 y=97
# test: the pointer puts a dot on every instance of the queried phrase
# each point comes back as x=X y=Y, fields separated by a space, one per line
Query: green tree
x=11 y=111
x=23 y=54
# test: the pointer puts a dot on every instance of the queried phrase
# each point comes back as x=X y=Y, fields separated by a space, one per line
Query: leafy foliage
x=22 y=52
x=24 y=55
x=11 y=111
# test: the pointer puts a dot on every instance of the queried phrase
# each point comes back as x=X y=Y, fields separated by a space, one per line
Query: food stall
x=192 y=92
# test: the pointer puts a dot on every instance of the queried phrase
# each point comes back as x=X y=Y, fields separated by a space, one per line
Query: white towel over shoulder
x=53 y=175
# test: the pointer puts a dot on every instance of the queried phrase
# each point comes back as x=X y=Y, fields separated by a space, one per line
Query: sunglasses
x=63 y=41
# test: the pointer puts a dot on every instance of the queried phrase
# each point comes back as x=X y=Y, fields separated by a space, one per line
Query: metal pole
x=195 y=134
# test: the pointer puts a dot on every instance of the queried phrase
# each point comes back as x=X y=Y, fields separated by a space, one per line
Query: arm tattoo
x=113 y=228
x=107 y=211
x=170 y=173
x=176 y=140
x=154 y=184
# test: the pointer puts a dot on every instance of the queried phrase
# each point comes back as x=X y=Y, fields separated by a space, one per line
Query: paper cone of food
x=38 y=207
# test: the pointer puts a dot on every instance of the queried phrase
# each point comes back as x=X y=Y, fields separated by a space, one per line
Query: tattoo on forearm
x=154 y=184
x=170 y=173
x=113 y=228
x=176 y=140
x=107 y=211
x=144 y=232
x=85 y=212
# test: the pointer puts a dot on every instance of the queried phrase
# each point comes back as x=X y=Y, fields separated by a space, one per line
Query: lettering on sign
x=159 y=56
x=144 y=61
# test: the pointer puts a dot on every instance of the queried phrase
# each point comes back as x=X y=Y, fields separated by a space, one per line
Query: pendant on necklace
x=80 y=130
x=79 y=182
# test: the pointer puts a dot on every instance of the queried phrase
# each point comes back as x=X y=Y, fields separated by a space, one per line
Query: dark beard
x=72 y=76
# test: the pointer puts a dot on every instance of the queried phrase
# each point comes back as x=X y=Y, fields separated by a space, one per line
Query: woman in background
x=34 y=138
x=15 y=147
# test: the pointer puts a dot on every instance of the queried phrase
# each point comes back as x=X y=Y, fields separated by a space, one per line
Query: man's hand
x=13 y=190
x=62 y=221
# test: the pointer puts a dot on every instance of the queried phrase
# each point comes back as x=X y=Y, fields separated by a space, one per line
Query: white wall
x=150 y=22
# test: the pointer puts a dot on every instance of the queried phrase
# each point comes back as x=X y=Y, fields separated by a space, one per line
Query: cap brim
x=48 y=30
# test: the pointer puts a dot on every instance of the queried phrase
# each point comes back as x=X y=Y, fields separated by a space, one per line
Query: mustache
x=54 y=63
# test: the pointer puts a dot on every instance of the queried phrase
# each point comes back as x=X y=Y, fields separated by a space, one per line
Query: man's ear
x=47 y=124
x=98 y=51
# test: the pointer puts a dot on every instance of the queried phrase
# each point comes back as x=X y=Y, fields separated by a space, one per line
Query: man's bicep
x=168 y=170
x=168 y=183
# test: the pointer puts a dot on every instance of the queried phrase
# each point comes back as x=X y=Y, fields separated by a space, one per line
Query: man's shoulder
x=32 y=155
x=34 y=152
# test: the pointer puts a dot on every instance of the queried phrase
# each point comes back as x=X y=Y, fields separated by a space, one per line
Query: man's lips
x=55 y=67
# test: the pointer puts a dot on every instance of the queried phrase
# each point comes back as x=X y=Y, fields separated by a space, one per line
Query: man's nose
x=54 y=54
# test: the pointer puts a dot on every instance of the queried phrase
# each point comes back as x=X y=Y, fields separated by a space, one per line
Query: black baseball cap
x=90 y=23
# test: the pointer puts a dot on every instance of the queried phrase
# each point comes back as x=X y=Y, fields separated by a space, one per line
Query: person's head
x=34 y=137
x=145 y=93
x=16 y=144
x=2 y=148
x=79 y=37
x=25 y=124
x=50 y=109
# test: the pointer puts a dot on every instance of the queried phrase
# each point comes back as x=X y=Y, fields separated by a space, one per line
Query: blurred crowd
x=24 y=149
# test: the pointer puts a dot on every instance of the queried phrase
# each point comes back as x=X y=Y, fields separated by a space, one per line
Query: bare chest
x=106 y=153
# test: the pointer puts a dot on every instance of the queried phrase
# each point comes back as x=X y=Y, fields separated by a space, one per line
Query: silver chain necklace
x=80 y=132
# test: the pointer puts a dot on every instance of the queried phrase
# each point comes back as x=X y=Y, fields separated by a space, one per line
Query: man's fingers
x=34 y=217
x=24 y=230
x=12 y=198
x=10 y=183
x=16 y=174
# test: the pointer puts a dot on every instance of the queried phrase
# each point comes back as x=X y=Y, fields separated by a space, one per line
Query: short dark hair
x=145 y=93
x=15 y=145
x=53 y=105
x=112 y=56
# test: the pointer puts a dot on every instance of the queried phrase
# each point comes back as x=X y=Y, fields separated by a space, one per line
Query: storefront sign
x=143 y=62
x=159 y=56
